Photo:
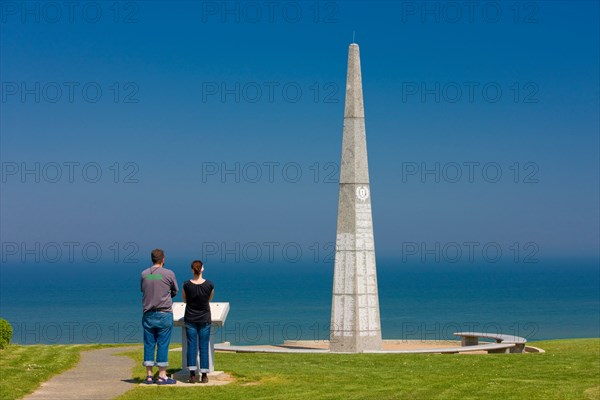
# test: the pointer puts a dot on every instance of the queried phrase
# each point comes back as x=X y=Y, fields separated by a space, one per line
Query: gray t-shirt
x=158 y=286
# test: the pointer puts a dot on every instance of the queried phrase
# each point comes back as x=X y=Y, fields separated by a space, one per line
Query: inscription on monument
x=362 y=193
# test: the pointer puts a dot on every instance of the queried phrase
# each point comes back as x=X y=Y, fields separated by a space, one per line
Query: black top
x=197 y=309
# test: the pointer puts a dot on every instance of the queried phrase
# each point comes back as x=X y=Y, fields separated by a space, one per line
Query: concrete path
x=99 y=375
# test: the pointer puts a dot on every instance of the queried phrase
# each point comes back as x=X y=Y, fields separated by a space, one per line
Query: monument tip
x=353 y=41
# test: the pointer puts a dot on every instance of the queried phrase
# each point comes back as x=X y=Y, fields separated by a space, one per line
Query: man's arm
x=174 y=287
x=183 y=295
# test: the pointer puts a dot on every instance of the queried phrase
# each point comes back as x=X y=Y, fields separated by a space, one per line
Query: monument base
x=354 y=344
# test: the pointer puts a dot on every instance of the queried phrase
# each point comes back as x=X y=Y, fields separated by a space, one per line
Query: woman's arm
x=211 y=295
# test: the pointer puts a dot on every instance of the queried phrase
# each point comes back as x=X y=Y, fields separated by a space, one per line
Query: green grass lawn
x=570 y=369
x=24 y=368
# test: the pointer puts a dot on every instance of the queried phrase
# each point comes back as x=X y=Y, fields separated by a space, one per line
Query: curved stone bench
x=256 y=349
x=468 y=339
x=489 y=347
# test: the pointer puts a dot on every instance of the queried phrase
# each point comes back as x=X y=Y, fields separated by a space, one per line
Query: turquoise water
x=95 y=303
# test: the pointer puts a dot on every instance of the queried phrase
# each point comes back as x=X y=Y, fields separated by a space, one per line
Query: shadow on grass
x=137 y=380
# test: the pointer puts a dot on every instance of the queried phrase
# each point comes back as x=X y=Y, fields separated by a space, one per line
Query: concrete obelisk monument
x=355 y=322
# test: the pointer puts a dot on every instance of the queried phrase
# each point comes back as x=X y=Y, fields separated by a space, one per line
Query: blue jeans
x=198 y=336
x=157 y=333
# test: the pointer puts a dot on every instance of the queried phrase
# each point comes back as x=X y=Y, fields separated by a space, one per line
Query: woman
x=197 y=293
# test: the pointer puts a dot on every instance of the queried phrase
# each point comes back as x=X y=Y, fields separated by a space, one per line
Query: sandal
x=165 y=381
x=149 y=380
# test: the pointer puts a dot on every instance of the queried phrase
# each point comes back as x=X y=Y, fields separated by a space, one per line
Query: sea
x=95 y=303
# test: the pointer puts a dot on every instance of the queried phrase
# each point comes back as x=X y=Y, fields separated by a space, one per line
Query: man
x=159 y=286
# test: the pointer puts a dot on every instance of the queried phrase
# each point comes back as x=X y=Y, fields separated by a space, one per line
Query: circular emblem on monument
x=362 y=193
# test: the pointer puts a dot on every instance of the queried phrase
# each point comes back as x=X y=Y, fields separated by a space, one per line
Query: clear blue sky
x=511 y=89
